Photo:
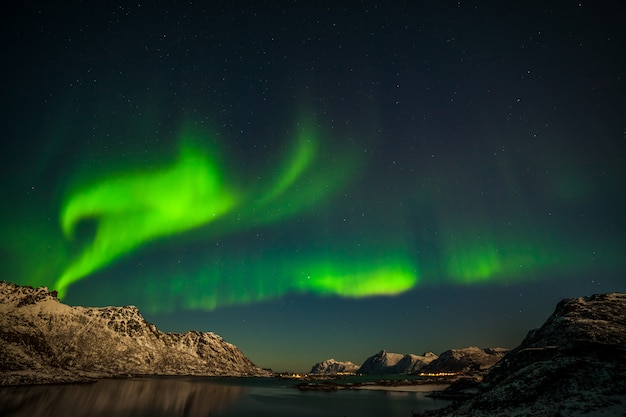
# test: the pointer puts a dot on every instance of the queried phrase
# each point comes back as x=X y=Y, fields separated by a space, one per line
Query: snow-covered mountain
x=466 y=360
x=43 y=340
x=395 y=363
x=574 y=365
x=410 y=363
x=333 y=367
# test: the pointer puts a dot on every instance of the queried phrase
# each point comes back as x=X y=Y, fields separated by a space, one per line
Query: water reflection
x=348 y=403
x=191 y=397
x=132 y=397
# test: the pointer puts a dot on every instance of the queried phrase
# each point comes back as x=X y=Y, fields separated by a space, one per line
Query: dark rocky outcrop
x=574 y=365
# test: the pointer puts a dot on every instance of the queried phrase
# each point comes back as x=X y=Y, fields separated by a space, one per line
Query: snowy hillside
x=574 y=365
x=333 y=367
x=395 y=363
x=465 y=361
x=43 y=340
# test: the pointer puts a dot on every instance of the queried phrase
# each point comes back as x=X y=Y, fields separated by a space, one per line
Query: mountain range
x=574 y=365
x=466 y=361
x=395 y=363
x=45 y=341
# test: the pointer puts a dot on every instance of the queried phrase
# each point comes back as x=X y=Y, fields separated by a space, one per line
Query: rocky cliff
x=43 y=341
x=574 y=365
x=333 y=367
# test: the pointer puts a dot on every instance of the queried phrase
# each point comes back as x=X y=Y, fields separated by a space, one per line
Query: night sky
x=315 y=180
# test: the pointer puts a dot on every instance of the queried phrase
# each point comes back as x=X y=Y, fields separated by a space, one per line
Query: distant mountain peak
x=333 y=367
x=395 y=363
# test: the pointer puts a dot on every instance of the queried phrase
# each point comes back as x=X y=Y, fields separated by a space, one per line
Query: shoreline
x=400 y=385
x=405 y=388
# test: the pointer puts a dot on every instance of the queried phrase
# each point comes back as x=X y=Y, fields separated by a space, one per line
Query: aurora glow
x=132 y=209
x=207 y=287
x=138 y=208
x=333 y=178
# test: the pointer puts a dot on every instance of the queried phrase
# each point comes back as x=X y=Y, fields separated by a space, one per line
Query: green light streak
x=302 y=157
x=262 y=278
x=473 y=258
x=476 y=264
x=132 y=209
x=306 y=177
x=362 y=281
x=118 y=214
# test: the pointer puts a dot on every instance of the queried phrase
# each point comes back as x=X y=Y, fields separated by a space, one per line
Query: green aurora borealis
x=129 y=210
x=313 y=180
x=194 y=198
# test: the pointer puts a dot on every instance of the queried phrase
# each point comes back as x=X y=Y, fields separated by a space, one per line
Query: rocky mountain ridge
x=395 y=363
x=574 y=365
x=469 y=360
x=43 y=341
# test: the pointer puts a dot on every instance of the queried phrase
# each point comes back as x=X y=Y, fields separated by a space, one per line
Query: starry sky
x=315 y=180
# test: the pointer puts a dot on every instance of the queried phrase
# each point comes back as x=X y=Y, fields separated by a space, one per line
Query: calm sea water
x=195 y=397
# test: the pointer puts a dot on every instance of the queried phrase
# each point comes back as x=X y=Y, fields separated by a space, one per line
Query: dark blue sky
x=313 y=179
